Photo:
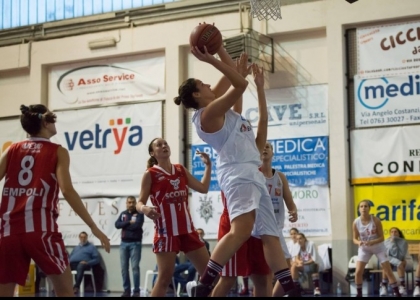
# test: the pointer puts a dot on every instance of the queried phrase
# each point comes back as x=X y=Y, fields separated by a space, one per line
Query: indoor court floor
x=118 y=294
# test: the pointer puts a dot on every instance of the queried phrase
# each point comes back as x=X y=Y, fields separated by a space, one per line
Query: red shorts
x=249 y=259
x=185 y=243
x=16 y=251
x=256 y=261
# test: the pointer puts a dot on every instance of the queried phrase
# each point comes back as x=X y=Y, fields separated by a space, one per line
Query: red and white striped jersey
x=169 y=193
x=30 y=194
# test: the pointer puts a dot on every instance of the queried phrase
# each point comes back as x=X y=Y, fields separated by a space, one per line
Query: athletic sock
x=402 y=281
x=285 y=279
x=395 y=289
x=212 y=270
x=359 y=288
x=316 y=282
x=246 y=282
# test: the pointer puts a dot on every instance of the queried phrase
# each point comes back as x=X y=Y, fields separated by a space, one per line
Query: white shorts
x=265 y=221
x=365 y=253
x=241 y=199
x=245 y=197
x=284 y=245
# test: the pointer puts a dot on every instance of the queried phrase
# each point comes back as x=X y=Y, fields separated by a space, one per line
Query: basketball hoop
x=265 y=9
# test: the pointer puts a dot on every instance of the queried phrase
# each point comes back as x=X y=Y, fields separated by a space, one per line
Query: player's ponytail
x=32 y=117
x=152 y=160
x=185 y=94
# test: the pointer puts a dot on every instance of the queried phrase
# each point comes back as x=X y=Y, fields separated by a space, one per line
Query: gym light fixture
x=102 y=43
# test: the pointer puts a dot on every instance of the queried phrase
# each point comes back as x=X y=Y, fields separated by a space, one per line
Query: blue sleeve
x=121 y=224
x=94 y=257
x=72 y=252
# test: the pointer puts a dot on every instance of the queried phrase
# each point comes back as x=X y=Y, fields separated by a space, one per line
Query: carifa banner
x=384 y=155
x=395 y=205
x=388 y=50
x=108 y=146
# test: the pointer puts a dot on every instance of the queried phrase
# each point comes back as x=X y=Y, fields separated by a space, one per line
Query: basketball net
x=265 y=9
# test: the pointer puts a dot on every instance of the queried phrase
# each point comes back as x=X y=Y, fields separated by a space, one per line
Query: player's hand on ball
x=203 y=56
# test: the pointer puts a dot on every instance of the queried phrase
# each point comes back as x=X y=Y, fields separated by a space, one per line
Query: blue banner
x=198 y=166
x=304 y=161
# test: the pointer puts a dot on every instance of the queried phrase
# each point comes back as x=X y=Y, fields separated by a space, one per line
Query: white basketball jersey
x=275 y=188
x=366 y=232
x=234 y=143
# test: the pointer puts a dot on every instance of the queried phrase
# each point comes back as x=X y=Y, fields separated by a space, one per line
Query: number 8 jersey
x=30 y=193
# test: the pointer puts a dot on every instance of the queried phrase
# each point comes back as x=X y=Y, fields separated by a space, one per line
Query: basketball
x=206 y=35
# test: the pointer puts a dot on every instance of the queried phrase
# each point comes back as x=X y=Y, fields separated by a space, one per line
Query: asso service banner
x=313 y=209
x=10 y=132
x=395 y=205
x=388 y=50
x=385 y=155
x=104 y=211
x=108 y=146
x=116 y=80
x=298 y=115
x=387 y=100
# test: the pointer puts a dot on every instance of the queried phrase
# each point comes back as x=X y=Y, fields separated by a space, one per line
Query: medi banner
x=395 y=205
x=108 y=146
x=387 y=101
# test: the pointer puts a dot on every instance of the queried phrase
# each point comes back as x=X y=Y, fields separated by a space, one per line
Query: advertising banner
x=298 y=130
x=388 y=50
x=387 y=101
x=113 y=80
x=395 y=205
x=104 y=211
x=10 y=132
x=313 y=205
x=108 y=146
x=303 y=160
x=384 y=155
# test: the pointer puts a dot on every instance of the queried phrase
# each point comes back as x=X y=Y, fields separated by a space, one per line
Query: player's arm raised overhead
x=203 y=185
x=241 y=65
x=212 y=117
x=262 y=128
x=244 y=69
